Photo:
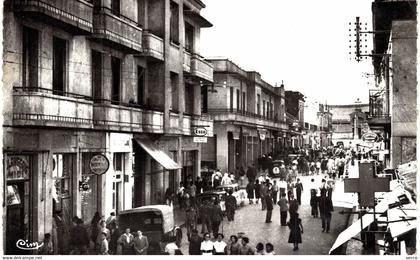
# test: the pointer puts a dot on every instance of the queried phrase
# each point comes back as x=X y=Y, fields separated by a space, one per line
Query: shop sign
x=262 y=136
x=199 y=139
x=369 y=137
x=236 y=135
x=99 y=164
x=17 y=167
x=200 y=131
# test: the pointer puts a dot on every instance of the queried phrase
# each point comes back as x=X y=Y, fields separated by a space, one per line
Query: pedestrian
x=233 y=247
x=216 y=217
x=220 y=246
x=269 y=249
x=226 y=180
x=230 y=203
x=103 y=246
x=126 y=241
x=113 y=242
x=296 y=231
x=314 y=203
x=250 y=173
x=263 y=193
x=216 y=178
x=195 y=243
x=79 y=238
x=206 y=246
x=102 y=230
x=250 y=192
x=241 y=175
x=199 y=184
x=318 y=167
x=293 y=206
x=178 y=235
x=47 y=247
x=180 y=193
x=259 y=249
x=111 y=219
x=257 y=189
x=289 y=190
x=169 y=197
x=283 y=171
x=171 y=247
x=190 y=220
x=299 y=190
x=245 y=249
x=140 y=244
x=205 y=214
x=283 y=203
x=94 y=230
x=325 y=209
x=275 y=191
x=269 y=203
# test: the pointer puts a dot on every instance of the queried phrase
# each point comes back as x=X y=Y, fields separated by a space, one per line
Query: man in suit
x=325 y=209
x=216 y=217
x=269 y=202
x=141 y=244
x=299 y=189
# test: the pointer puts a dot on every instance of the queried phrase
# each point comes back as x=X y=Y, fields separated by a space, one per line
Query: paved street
x=250 y=219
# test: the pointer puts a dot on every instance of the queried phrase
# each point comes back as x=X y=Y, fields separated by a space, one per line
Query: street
x=250 y=219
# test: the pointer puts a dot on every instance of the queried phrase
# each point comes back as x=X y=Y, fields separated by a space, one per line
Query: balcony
x=246 y=118
x=378 y=108
x=174 y=123
x=187 y=62
x=186 y=125
x=123 y=117
x=200 y=68
x=153 y=121
x=74 y=16
x=117 y=31
x=42 y=107
x=153 y=46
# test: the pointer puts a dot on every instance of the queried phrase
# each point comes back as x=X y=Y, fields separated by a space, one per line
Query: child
x=103 y=244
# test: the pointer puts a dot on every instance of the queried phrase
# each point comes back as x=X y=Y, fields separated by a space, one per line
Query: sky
x=303 y=43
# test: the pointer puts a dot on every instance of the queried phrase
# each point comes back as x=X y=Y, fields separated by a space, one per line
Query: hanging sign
x=99 y=164
x=199 y=139
x=370 y=137
x=200 y=131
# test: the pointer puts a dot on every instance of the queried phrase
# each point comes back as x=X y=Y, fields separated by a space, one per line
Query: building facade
x=248 y=114
x=91 y=84
x=295 y=114
x=349 y=123
x=393 y=103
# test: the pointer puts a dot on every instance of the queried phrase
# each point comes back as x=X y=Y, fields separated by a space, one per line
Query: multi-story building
x=349 y=123
x=392 y=112
x=249 y=117
x=318 y=125
x=101 y=99
x=295 y=110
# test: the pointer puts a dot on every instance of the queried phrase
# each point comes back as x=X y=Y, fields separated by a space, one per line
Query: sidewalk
x=179 y=216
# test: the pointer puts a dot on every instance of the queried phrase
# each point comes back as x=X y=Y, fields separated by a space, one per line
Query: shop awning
x=367 y=219
x=161 y=157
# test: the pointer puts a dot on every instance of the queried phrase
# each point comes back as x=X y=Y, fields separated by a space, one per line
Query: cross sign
x=366 y=185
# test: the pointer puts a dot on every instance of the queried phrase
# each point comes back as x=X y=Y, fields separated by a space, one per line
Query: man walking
x=269 y=203
x=230 y=203
x=293 y=205
x=299 y=189
x=250 y=173
x=216 y=218
x=263 y=192
x=283 y=209
x=325 y=209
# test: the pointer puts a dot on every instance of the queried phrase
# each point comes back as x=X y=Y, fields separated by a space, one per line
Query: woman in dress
x=233 y=248
x=257 y=190
x=296 y=231
x=250 y=192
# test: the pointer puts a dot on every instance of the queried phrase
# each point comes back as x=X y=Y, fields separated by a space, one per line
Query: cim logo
x=200 y=131
x=26 y=245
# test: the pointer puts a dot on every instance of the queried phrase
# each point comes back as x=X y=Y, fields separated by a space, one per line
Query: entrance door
x=18 y=217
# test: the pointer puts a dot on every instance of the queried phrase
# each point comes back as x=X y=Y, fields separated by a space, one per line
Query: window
x=189 y=98
x=116 y=80
x=118 y=162
x=189 y=37
x=115 y=7
x=263 y=108
x=258 y=104
x=231 y=99
x=204 y=97
x=59 y=65
x=243 y=101
x=140 y=85
x=97 y=75
x=174 y=91
x=174 y=23
x=30 y=57
x=238 y=97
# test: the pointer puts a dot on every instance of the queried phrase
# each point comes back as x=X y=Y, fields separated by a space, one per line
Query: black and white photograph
x=208 y=127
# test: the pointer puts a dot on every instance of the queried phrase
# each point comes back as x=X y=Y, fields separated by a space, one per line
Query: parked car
x=155 y=221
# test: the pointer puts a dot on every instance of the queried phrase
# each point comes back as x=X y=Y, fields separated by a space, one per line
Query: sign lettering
x=99 y=164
